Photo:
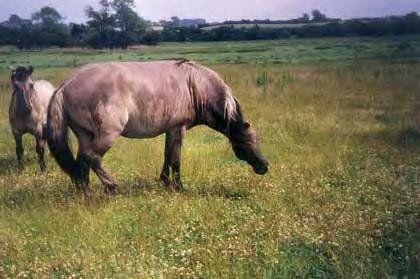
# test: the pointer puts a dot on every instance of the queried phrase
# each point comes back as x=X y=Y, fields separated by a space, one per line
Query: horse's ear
x=12 y=69
x=30 y=70
x=247 y=125
x=13 y=73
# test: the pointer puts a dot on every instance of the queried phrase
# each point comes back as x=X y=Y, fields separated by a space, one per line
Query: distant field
x=267 y=25
x=296 y=52
x=339 y=122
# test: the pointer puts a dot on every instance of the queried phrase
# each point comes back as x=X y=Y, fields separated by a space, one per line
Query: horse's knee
x=19 y=149
x=90 y=159
x=40 y=149
x=81 y=176
x=176 y=165
x=19 y=153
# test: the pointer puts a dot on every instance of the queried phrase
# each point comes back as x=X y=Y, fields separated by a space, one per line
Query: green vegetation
x=339 y=123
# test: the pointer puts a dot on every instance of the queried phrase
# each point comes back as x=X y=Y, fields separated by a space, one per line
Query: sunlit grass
x=341 y=199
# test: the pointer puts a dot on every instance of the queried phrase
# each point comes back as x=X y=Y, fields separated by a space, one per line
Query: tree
x=128 y=22
x=304 y=19
x=151 y=38
x=47 y=16
x=15 y=20
x=101 y=24
x=175 y=21
x=411 y=23
x=317 y=16
x=78 y=33
x=116 y=24
x=47 y=29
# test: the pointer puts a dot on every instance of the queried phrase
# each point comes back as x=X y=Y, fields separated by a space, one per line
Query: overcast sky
x=219 y=10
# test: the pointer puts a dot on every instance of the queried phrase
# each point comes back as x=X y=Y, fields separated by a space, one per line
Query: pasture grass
x=342 y=199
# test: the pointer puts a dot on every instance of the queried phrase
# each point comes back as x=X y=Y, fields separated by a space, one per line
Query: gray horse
x=102 y=101
x=28 y=110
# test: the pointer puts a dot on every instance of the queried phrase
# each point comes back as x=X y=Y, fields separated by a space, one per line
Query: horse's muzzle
x=261 y=170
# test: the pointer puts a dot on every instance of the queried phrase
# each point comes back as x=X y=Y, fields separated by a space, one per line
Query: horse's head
x=22 y=87
x=246 y=146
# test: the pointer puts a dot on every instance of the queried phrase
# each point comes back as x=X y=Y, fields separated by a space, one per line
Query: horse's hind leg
x=40 y=149
x=81 y=176
x=106 y=179
x=95 y=162
x=19 y=149
x=92 y=152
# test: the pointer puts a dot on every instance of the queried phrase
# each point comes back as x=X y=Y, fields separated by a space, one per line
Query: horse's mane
x=231 y=106
x=180 y=61
x=231 y=109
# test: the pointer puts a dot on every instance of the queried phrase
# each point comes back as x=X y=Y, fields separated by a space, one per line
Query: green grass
x=342 y=199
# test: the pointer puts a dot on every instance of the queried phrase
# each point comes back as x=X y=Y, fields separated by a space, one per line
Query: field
x=338 y=120
x=264 y=25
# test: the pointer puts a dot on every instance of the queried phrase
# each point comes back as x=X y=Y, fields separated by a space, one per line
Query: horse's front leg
x=19 y=149
x=40 y=149
x=173 y=147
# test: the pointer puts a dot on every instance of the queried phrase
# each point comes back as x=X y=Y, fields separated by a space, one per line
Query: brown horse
x=142 y=100
x=28 y=110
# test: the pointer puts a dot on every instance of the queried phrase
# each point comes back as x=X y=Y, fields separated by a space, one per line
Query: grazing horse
x=102 y=101
x=28 y=110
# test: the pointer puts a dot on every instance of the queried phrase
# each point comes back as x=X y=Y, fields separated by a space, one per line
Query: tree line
x=115 y=24
x=304 y=27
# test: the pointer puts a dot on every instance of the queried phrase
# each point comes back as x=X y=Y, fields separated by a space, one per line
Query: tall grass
x=341 y=199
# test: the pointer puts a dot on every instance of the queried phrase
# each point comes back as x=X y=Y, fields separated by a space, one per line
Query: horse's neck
x=32 y=99
x=210 y=106
x=218 y=120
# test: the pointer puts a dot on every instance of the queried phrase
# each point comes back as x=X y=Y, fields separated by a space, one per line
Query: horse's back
x=141 y=98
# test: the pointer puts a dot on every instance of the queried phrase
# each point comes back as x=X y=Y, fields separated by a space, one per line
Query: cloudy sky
x=218 y=10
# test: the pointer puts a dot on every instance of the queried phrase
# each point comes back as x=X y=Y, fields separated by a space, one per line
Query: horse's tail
x=57 y=134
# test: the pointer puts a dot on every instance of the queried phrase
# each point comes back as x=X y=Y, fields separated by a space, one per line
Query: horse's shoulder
x=44 y=82
x=44 y=85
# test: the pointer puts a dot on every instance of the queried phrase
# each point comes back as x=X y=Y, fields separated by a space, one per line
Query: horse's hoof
x=164 y=180
x=175 y=187
x=87 y=195
x=111 y=190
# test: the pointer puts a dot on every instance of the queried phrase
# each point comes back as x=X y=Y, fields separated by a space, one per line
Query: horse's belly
x=139 y=131
x=143 y=128
x=150 y=127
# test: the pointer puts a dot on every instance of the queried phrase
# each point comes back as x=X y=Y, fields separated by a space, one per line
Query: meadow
x=339 y=121
x=265 y=25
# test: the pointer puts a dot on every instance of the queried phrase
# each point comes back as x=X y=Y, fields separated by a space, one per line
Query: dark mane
x=183 y=61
